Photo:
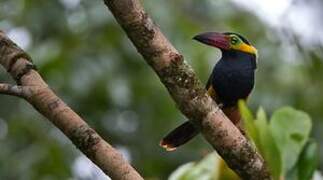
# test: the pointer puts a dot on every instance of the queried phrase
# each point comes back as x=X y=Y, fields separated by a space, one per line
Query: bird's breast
x=232 y=82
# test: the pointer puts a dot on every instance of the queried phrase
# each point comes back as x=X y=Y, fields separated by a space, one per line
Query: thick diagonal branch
x=187 y=90
x=38 y=94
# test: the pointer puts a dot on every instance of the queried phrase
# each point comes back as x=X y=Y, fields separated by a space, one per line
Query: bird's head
x=226 y=41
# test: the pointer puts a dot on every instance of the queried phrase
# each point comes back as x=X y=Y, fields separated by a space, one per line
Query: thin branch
x=187 y=91
x=19 y=65
x=10 y=89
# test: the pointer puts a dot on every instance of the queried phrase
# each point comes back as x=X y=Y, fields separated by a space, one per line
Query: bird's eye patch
x=234 y=40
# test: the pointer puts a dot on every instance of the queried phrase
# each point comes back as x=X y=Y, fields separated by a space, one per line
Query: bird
x=232 y=79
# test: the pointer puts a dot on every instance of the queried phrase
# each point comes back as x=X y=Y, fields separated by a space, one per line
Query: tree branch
x=36 y=92
x=187 y=91
x=13 y=90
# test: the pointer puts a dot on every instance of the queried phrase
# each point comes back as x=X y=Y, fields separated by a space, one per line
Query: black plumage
x=233 y=77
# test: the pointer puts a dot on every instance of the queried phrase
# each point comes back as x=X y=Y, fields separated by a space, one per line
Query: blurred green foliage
x=211 y=167
x=86 y=58
x=283 y=141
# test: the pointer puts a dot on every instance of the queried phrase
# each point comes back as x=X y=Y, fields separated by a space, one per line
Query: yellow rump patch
x=211 y=92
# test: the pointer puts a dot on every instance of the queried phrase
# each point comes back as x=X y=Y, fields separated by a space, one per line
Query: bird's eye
x=234 y=40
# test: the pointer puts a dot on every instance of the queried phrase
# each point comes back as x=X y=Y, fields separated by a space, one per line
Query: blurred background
x=84 y=55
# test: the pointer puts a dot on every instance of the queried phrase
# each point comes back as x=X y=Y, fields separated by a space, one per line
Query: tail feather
x=187 y=130
x=179 y=136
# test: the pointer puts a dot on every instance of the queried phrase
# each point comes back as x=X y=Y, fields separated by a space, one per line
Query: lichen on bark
x=85 y=138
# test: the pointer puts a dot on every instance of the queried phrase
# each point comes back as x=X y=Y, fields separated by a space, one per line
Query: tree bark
x=32 y=88
x=187 y=91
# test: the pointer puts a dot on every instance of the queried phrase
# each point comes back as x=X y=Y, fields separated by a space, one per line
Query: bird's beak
x=214 y=39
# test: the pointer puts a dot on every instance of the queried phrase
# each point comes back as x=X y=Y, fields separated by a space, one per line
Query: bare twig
x=10 y=89
x=36 y=92
x=187 y=91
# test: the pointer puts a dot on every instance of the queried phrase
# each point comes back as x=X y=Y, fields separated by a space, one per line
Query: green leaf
x=306 y=164
x=248 y=120
x=267 y=146
x=290 y=128
x=308 y=161
x=206 y=169
x=181 y=171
